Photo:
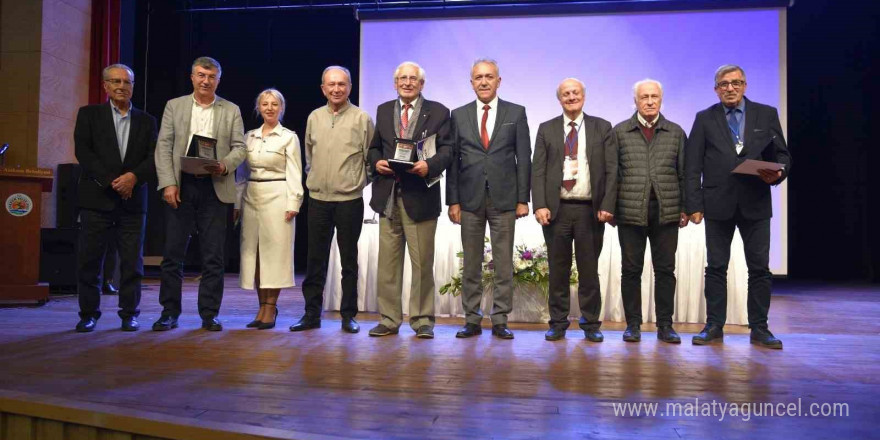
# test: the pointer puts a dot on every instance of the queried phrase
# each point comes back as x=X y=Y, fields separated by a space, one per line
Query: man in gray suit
x=197 y=200
x=488 y=181
x=574 y=193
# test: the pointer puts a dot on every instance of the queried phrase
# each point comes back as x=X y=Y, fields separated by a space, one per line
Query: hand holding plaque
x=403 y=155
x=201 y=156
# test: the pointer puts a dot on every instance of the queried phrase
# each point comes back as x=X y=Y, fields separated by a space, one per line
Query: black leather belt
x=199 y=176
x=267 y=180
x=576 y=202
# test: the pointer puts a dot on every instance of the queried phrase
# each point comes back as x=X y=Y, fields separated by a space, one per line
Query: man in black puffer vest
x=650 y=205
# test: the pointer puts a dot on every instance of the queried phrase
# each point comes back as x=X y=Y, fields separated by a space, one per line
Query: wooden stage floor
x=329 y=382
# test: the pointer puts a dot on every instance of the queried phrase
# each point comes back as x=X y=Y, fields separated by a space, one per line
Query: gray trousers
x=418 y=237
x=473 y=231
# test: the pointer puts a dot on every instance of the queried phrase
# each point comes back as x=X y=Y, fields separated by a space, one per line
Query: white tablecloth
x=690 y=304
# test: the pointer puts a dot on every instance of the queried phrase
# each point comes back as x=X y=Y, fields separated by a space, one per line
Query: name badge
x=569 y=168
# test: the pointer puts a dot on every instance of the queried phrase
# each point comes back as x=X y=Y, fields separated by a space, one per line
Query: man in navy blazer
x=488 y=181
x=114 y=144
x=574 y=193
x=722 y=137
x=407 y=206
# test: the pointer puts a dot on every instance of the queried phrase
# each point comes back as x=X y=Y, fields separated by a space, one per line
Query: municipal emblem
x=19 y=205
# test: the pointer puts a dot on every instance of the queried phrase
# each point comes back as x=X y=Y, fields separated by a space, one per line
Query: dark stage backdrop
x=833 y=191
x=257 y=49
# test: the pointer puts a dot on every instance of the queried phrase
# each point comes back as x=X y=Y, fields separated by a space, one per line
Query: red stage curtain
x=105 y=44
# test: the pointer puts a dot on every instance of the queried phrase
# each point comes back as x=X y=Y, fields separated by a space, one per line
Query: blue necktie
x=733 y=123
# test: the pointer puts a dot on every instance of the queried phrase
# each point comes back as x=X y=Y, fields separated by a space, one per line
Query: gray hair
x=559 y=87
x=643 y=82
x=410 y=63
x=727 y=68
x=208 y=63
x=105 y=74
x=343 y=69
x=275 y=94
x=485 y=61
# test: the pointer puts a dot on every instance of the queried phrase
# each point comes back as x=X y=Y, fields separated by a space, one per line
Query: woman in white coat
x=270 y=195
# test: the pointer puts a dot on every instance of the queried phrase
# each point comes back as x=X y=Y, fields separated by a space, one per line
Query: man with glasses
x=197 y=200
x=722 y=137
x=114 y=144
x=408 y=206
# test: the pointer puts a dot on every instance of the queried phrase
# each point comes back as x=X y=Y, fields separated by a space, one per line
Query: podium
x=21 y=196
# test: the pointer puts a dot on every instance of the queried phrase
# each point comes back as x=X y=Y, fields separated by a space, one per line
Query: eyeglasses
x=118 y=82
x=407 y=79
x=737 y=84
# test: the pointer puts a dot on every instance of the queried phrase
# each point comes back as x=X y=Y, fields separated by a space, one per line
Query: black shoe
x=254 y=324
x=130 y=324
x=164 y=323
x=269 y=325
x=307 y=322
x=709 y=334
x=469 y=330
x=109 y=289
x=425 y=332
x=666 y=333
x=762 y=336
x=349 y=325
x=86 y=325
x=633 y=333
x=212 y=325
x=593 y=334
x=381 y=330
x=501 y=331
x=555 y=334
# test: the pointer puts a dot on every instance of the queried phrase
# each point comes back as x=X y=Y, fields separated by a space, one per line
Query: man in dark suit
x=488 y=181
x=722 y=137
x=574 y=193
x=114 y=144
x=407 y=205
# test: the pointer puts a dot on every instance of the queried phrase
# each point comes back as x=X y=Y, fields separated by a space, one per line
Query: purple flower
x=527 y=255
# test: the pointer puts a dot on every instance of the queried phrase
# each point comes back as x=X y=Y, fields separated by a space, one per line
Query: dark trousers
x=664 y=242
x=98 y=229
x=574 y=223
x=347 y=219
x=473 y=232
x=756 y=243
x=200 y=209
x=110 y=259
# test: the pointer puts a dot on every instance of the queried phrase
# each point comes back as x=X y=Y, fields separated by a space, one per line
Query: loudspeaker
x=58 y=250
x=66 y=200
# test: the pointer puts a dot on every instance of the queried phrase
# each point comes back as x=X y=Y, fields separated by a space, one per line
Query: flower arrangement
x=530 y=269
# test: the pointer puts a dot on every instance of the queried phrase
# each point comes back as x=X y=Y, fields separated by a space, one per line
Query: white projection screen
x=608 y=52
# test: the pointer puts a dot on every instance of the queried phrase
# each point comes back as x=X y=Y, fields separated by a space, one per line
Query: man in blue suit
x=488 y=182
x=723 y=136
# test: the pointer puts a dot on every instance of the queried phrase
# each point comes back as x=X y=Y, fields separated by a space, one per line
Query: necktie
x=484 y=134
x=733 y=123
x=571 y=151
x=404 y=120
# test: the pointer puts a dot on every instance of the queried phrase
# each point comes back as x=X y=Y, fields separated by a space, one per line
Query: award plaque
x=206 y=147
x=403 y=149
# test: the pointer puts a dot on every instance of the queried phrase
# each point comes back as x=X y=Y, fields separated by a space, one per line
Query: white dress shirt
x=490 y=121
x=201 y=121
x=581 y=189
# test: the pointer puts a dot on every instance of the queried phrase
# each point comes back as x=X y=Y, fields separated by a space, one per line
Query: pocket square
x=508 y=123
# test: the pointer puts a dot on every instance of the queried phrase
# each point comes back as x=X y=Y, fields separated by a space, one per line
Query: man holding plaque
x=488 y=182
x=410 y=150
x=723 y=136
x=201 y=141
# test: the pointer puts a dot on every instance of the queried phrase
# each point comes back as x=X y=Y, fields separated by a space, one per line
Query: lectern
x=21 y=195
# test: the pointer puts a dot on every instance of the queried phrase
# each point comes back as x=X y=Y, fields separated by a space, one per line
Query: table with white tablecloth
x=690 y=303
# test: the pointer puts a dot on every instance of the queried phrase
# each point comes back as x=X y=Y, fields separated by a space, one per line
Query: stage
x=354 y=386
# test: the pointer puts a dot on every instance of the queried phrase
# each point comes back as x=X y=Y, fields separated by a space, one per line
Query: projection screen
x=608 y=52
